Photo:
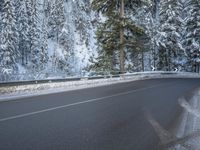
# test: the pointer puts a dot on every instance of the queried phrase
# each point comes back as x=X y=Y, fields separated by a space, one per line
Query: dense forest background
x=59 y=38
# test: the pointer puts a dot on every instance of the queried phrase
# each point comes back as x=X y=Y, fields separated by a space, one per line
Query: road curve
x=102 y=118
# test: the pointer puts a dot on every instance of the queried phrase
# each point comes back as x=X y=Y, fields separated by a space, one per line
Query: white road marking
x=77 y=103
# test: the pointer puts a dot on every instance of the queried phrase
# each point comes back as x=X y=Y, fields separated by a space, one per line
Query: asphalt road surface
x=102 y=118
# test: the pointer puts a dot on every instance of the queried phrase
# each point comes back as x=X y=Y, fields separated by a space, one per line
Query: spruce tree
x=22 y=26
x=192 y=34
x=34 y=35
x=57 y=32
x=56 y=19
x=8 y=41
x=116 y=33
x=152 y=24
x=170 y=35
x=146 y=16
x=44 y=38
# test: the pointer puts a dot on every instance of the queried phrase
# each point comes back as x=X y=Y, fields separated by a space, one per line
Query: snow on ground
x=185 y=132
x=9 y=93
x=13 y=92
x=190 y=123
x=21 y=69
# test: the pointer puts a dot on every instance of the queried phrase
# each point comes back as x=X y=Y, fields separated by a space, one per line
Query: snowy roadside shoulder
x=16 y=92
x=190 y=124
x=19 y=91
x=186 y=134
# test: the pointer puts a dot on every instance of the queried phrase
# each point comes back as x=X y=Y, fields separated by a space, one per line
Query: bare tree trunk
x=122 y=57
x=142 y=61
x=23 y=55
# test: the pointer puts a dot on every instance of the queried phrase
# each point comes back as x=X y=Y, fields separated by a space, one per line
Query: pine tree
x=116 y=33
x=169 y=41
x=22 y=25
x=1 y=6
x=8 y=49
x=152 y=24
x=146 y=16
x=34 y=35
x=58 y=33
x=57 y=19
x=192 y=34
x=44 y=38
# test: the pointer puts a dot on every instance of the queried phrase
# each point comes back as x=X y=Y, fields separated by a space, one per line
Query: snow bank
x=10 y=92
x=190 y=120
x=185 y=133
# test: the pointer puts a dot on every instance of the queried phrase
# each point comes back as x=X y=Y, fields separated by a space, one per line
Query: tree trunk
x=122 y=57
x=142 y=61
x=23 y=54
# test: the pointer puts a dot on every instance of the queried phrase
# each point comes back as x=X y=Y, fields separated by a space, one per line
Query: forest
x=42 y=39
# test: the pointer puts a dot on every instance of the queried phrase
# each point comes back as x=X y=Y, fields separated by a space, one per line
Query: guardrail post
x=122 y=76
x=84 y=78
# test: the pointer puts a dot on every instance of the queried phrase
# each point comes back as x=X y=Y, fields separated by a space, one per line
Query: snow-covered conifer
x=8 y=41
x=116 y=33
x=34 y=35
x=22 y=26
x=192 y=34
x=56 y=19
x=171 y=50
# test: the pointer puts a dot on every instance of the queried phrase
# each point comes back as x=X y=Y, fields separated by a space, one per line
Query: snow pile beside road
x=186 y=134
x=162 y=74
x=45 y=88
x=191 y=120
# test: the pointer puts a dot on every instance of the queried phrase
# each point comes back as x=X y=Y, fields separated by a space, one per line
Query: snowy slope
x=80 y=35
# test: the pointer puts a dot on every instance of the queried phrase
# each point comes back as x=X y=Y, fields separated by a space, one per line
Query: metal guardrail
x=13 y=83
x=106 y=76
x=3 y=84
